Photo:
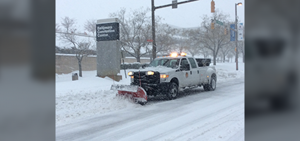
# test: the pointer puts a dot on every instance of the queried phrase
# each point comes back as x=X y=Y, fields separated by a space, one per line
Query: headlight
x=130 y=73
x=164 y=76
x=150 y=73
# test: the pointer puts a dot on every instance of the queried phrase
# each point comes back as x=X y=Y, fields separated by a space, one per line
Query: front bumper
x=155 y=89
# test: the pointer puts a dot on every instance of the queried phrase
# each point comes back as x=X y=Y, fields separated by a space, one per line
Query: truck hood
x=160 y=69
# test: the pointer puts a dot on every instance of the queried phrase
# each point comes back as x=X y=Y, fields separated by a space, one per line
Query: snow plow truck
x=167 y=75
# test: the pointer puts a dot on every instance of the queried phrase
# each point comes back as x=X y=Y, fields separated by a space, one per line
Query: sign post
x=108 y=48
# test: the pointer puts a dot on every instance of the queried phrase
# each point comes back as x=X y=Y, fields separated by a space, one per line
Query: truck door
x=184 y=74
x=194 y=72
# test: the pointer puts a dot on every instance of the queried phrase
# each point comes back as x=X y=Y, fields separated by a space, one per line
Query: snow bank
x=78 y=105
x=227 y=71
x=91 y=95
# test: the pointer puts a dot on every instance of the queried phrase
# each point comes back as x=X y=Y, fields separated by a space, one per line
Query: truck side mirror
x=181 y=67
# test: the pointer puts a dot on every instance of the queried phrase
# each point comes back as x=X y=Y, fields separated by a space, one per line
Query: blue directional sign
x=232 y=32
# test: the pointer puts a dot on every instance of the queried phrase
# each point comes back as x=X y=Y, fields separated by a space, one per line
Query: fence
x=133 y=65
x=67 y=63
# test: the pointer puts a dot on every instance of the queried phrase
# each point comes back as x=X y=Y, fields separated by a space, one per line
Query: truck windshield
x=171 y=63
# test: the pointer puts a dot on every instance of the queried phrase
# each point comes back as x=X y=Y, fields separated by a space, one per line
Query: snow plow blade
x=137 y=93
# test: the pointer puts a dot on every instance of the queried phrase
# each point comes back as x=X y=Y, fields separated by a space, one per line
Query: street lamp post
x=236 y=31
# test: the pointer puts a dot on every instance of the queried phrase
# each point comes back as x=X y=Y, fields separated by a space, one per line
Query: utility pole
x=153 y=8
x=153 y=30
x=236 y=33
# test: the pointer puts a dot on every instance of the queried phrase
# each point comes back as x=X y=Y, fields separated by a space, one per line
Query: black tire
x=211 y=86
x=173 y=91
x=205 y=87
x=142 y=103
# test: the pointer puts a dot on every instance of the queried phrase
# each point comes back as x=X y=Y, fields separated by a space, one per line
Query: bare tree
x=165 y=38
x=180 y=41
x=194 y=46
x=197 y=45
x=57 y=27
x=225 y=50
x=230 y=55
x=241 y=49
x=80 y=47
x=90 y=26
x=181 y=44
x=214 y=39
x=205 y=52
x=135 y=30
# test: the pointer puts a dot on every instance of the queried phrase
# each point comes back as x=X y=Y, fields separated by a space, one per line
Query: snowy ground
x=87 y=110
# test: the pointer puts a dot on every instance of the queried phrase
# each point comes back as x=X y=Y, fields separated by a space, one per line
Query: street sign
x=174 y=4
x=232 y=32
x=107 y=31
x=219 y=22
x=240 y=32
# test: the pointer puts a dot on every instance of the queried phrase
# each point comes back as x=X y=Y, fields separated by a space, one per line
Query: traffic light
x=212 y=26
x=174 y=4
x=212 y=6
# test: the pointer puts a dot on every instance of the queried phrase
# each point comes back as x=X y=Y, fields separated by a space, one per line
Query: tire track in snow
x=214 y=129
x=139 y=126
x=211 y=124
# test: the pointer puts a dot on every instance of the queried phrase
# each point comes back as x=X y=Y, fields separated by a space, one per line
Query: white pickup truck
x=168 y=75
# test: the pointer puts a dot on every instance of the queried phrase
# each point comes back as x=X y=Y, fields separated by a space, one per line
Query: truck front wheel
x=173 y=91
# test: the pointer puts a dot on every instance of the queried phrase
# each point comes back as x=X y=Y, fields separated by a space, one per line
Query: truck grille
x=149 y=79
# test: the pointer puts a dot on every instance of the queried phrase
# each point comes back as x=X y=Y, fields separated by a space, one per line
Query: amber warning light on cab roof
x=175 y=54
x=182 y=54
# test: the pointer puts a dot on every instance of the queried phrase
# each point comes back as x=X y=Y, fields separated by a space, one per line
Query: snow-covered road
x=198 y=115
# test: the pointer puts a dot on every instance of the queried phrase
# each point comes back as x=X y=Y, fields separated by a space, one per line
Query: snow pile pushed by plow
x=80 y=105
x=91 y=96
x=88 y=96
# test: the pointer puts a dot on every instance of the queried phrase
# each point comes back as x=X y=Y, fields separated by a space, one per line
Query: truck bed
x=202 y=62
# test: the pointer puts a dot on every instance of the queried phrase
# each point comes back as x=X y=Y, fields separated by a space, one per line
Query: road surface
x=194 y=115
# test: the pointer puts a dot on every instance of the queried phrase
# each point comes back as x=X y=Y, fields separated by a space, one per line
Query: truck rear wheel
x=211 y=86
x=173 y=91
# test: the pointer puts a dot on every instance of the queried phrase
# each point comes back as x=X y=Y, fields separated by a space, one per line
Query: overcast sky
x=186 y=15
